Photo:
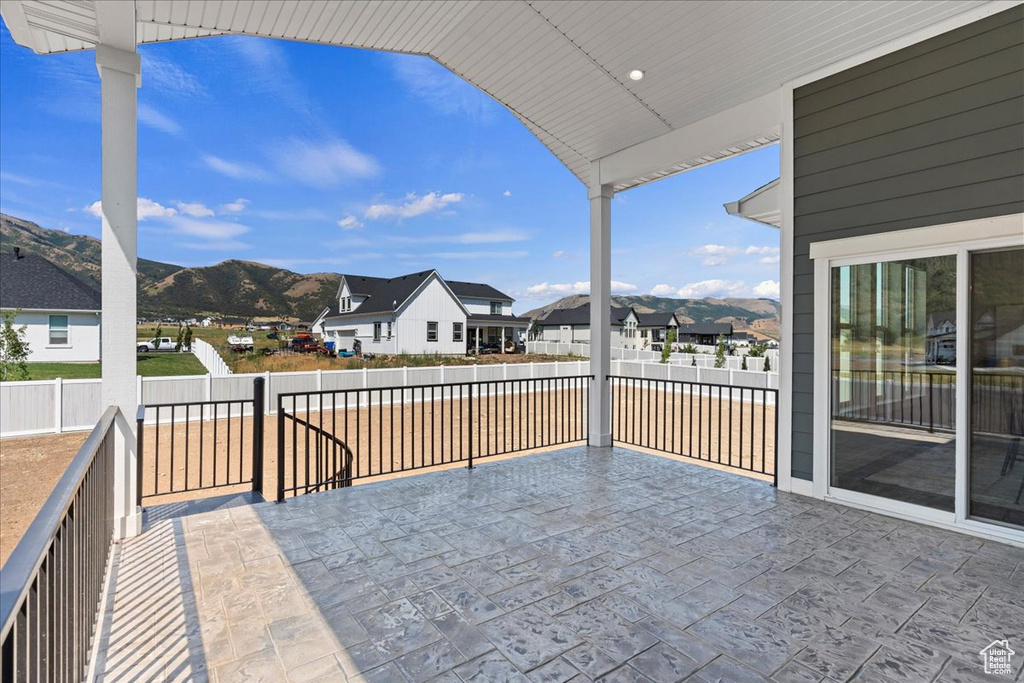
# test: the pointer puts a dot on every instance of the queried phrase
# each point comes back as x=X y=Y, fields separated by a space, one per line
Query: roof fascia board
x=115 y=23
x=416 y=292
x=13 y=13
x=22 y=309
x=737 y=125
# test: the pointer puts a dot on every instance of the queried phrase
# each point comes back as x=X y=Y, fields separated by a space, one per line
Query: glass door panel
x=996 y=452
x=893 y=397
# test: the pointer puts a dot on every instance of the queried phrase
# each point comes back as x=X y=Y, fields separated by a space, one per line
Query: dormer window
x=495 y=308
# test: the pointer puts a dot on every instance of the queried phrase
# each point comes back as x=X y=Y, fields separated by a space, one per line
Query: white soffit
x=763 y=205
x=559 y=65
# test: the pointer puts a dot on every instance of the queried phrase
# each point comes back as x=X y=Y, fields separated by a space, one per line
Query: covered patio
x=570 y=565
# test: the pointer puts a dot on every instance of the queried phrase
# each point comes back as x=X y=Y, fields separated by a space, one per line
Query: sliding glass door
x=995 y=450
x=893 y=380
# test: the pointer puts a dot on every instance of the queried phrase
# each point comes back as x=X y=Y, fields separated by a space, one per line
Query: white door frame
x=948 y=239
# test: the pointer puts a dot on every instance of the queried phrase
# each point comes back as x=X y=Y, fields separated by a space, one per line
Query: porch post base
x=128 y=526
x=599 y=440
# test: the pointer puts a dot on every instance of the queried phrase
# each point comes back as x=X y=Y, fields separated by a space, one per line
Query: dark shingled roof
x=656 y=319
x=383 y=295
x=363 y=285
x=496 y=320
x=581 y=316
x=706 y=328
x=477 y=290
x=32 y=282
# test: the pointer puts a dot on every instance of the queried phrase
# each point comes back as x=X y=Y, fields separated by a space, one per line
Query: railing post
x=140 y=419
x=931 y=402
x=257 y=435
x=266 y=391
x=471 y=426
x=280 y=449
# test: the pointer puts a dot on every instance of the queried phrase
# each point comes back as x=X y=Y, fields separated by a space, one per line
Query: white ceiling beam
x=115 y=20
x=756 y=118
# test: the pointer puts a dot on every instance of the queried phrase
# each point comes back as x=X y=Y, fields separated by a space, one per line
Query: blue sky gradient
x=318 y=158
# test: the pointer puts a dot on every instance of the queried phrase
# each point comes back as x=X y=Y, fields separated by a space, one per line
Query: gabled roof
x=706 y=328
x=477 y=290
x=363 y=285
x=763 y=205
x=581 y=316
x=656 y=319
x=32 y=282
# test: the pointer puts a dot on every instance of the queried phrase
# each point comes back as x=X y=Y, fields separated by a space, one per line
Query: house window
x=457 y=332
x=495 y=308
x=376 y=332
x=389 y=330
x=431 y=331
x=59 y=330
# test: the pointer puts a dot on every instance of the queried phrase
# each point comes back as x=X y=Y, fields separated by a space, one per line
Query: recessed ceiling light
x=636 y=75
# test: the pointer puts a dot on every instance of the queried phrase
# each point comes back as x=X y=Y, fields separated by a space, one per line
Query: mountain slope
x=239 y=288
x=758 y=316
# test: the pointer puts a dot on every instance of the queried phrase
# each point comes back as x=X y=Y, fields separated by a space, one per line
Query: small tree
x=188 y=338
x=181 y=338
x=767 y=364
x=743 y=366
x=13 y=348
x=720 y=352
x=159 y=331
x=666 y=350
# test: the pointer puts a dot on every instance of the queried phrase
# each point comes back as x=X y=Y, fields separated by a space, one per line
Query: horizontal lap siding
x=928 y=135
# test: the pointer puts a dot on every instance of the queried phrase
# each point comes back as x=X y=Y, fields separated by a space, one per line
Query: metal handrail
x=433 y=385
x=23 y=564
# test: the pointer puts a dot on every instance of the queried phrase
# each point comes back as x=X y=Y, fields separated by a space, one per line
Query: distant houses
x=61 y=314
x=418 y=313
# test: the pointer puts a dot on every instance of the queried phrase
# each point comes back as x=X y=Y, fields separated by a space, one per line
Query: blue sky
x=317 y=158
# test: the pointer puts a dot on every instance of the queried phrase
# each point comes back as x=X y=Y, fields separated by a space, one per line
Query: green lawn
x=214 y=336
x=149 y=365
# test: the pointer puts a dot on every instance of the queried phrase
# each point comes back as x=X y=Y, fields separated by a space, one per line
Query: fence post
x=475 y=373
x=504 y=370
x=266 y=391
x=209 y=392
x=471 y=429
x=258 y=385
x=531 y=369
x=58 y=405
x=138 y=389
x=140 y=420
x=442 y=375
x=732 y=377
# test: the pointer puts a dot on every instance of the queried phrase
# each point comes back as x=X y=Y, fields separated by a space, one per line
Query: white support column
x=119 y=67
x=600 y=304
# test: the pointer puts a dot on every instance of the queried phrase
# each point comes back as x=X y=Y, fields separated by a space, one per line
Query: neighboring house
x=654 y=327
x=232 y=323
x=705 y=333
x=206 y=322
x=940 y=343
x=572 y=325
x=61 y=313
x=418 y=313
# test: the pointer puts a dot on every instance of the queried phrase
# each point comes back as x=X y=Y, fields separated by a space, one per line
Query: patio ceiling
x=561 y=67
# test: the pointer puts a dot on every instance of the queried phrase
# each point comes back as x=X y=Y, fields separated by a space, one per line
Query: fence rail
x=736 y=427
x=329 y=439
x=200 y=445
x=53 y=581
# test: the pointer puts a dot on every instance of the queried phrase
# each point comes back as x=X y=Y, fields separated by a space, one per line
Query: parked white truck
x=155 y=344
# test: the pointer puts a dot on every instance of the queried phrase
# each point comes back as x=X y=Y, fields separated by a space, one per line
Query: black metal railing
x=911 y=399
x=736 y=427
x=328 y=439
x=53 y=581
x=200 y=445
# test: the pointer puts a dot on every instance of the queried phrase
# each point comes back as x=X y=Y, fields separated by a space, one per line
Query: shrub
x=744 y=365
x=666 y=350
x=767 y=364
x=720 y=352
x=13 y=348
x=689 y=348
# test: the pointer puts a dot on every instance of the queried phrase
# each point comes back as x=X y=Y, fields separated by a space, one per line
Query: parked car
x=304 y=343
x=156 y=344
x=486 y=348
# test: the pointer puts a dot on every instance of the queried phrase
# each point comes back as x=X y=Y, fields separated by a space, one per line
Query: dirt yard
x=386 y=442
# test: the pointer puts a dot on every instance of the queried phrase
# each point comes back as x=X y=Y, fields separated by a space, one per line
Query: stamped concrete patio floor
x=573 y=565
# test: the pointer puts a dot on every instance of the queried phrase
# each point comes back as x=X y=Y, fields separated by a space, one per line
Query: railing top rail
x=31 y=550
x=198 y=403
x=510 y=380
x=691 y=383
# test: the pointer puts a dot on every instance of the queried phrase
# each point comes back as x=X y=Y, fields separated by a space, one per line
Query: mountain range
x=249 y=289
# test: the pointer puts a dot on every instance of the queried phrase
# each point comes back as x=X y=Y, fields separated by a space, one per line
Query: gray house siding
x=928 y=135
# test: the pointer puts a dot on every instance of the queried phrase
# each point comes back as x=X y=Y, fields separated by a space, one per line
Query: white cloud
x=580 y=287
x=155 y=119
x=713 y=261
x=711 y=288
x=237 y=206
x=558 y=254
x=194 y=209
x=145 y=208
x=208 y=230
x=506 y=193
x=440 y=89
x=323 y=163
x=770 y=259
x=663 y=290
x=166 y=76
x=350 y=223
x=215 y=245
x=762 y=250
x=496 y=237
x=468 y=255
x=413 y=206
x=767 y=289
x=714 y=250
x=231 y=169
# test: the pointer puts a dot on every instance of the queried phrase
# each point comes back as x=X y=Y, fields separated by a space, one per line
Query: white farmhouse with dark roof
x=418 y=313
x=61 y=313
x=572 y=325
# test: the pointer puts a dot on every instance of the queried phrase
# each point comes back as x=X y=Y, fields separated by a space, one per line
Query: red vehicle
x=304 y=343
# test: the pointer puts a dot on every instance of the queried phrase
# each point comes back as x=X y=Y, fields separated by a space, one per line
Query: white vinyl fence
x=56 y=406
x=705 y=356
x=210 y=359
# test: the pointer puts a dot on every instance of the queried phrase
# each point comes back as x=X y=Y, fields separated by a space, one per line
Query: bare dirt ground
x=390 y=440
